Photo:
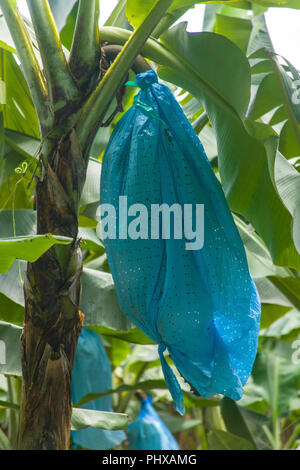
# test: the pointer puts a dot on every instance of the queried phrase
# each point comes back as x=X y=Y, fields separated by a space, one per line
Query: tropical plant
x=62 y=78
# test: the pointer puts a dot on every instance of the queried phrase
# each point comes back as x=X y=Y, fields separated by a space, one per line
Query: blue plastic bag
x=92 y=374
x=149 y=432
x=201 y=304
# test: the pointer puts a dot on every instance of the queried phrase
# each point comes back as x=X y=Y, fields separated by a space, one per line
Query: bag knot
x=144 y=80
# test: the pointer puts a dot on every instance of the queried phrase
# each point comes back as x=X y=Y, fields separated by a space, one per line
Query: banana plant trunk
x=53 y=320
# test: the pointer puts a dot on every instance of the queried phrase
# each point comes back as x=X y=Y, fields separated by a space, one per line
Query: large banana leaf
x=223 y=440
x=83 y=418
x=245 y=423
x=277 y=378
x=29 y=248
x=19 y=112
x=246 y=167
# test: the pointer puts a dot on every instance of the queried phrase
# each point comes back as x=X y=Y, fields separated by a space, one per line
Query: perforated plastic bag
x=149 y=432
x=200 y=304
x=92 y=374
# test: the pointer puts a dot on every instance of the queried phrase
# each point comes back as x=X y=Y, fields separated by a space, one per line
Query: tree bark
x=52 y=291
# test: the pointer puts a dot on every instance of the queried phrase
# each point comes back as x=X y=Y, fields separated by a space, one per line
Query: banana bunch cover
x=92 y=374
x=176 y=257
x=149 y=432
